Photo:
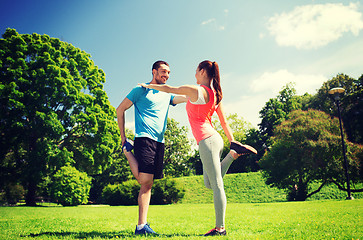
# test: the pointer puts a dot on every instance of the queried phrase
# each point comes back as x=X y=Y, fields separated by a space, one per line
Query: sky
x=260 y=45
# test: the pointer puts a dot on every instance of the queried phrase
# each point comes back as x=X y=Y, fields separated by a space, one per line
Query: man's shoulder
x=137 y=90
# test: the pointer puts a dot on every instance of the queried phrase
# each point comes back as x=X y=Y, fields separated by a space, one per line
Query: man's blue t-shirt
x=151 y=112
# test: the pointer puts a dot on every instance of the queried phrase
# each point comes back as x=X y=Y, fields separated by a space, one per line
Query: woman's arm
x=180 y=99
x=188 y=90
x=224 y=123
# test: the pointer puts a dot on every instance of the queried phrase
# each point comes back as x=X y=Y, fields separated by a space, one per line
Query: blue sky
x=260 y=45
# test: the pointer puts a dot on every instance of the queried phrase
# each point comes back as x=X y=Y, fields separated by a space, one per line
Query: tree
x=117 y=172
x=70 y=187
x=353 y=112
x=242 y=132
x=307 y=148
x=276 y=110
x=177 y=150
x=238 y=126
x=255 y=139
x=351 y=102
x=53 y=109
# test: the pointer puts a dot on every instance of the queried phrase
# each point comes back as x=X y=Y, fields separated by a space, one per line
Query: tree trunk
x=301 y=193
x=30 y=196
x=32 y=171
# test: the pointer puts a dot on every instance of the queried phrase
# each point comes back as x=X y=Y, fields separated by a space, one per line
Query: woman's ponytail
x=217 y=82
x=212 y=70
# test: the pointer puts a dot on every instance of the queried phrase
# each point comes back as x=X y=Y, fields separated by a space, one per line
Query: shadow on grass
x=94 y=234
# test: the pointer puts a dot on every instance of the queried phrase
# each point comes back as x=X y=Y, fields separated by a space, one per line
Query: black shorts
x=150 y=156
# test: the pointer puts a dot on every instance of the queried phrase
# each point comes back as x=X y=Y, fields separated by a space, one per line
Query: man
x=151 y=112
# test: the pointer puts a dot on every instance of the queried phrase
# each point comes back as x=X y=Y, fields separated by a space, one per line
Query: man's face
x=162 y=74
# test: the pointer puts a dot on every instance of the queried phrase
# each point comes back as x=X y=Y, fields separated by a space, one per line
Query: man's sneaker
x=128 y=145
x=145 y=230
x=215 y=232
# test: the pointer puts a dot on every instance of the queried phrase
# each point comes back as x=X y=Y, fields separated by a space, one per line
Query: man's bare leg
x=146 y=181
x=134 y=165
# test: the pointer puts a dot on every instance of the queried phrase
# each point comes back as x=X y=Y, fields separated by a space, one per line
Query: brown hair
x=212 y=70
x=157 y=64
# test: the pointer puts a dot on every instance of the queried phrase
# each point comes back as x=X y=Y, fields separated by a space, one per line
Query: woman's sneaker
x=215 y=232
x=242 y=149
x=145 y=230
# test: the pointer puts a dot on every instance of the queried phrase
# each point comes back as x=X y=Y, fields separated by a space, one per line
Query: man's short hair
x=157 y=64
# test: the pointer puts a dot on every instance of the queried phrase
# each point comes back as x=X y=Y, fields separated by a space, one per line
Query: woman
x=203 y=101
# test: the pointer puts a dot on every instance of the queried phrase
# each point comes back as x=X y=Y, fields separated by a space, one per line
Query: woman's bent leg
x=210 y=152
x=226 y=163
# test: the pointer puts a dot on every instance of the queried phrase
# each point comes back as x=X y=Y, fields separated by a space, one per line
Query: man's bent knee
x=146 y=179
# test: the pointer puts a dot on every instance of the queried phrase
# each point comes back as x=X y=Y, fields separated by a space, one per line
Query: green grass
x=284 y=220
x=250 y=188
x=240 y=188
x=254 y=211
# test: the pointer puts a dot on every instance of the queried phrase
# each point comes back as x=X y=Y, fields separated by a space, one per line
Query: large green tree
x=244 y=133
x=307 y=148
x=351 y=104
x=115 y=173
x=53 y=110
x=177 y=150
x=276 y=110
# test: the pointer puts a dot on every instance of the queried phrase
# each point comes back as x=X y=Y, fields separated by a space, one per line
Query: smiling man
x=151 y=112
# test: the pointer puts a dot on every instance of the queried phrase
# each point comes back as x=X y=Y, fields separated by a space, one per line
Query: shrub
x=11 y=194
x=164 y=191
x=121 y=194
x=70 y=187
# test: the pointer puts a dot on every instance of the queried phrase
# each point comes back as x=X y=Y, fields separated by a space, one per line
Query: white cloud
x=272 y=82
x=347 y=59
x=208 y=21
x=313 y=26
x=247 y=107
x=261 y=89
x=213 y=21
x=216 y=23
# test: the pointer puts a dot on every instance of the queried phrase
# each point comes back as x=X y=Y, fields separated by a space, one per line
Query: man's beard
x=160 y=80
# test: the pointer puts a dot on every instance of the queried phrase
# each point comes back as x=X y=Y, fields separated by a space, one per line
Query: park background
x=266 y=52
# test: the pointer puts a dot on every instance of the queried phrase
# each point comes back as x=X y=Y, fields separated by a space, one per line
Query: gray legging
x=210 y=150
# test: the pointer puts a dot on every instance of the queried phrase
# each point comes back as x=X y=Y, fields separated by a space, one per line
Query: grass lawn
x=283 y=220
x=251 y=188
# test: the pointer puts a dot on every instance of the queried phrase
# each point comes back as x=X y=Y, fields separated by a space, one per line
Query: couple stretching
x=151 y=103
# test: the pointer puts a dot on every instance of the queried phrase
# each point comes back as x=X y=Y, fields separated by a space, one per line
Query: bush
x=121 y=194
x=164 y=191
x=70 y=187
x=11 y=194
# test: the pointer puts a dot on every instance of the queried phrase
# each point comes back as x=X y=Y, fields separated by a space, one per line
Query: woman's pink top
x=200 y=117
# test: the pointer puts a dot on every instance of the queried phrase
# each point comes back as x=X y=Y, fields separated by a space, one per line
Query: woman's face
x=198 y=75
